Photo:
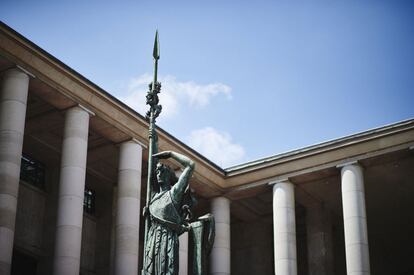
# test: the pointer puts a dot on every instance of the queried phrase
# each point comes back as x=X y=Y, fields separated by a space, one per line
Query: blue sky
x=241 y=79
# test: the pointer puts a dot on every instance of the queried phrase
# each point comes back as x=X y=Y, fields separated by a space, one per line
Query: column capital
x=133 y=140
x=221 y=198
x=274 y=182
x=25 y=71
x=91 y=113
x=19 y=69
x=349 y=163
x=81 y=107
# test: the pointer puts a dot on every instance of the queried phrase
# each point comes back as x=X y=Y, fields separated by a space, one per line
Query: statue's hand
x=163 y=155
x=145 y=211
x=186 y=227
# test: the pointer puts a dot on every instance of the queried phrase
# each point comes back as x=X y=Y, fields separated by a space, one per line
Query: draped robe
x=161 y=251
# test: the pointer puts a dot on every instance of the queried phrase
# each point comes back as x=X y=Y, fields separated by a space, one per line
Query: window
x=89 y=201
x=32 y=171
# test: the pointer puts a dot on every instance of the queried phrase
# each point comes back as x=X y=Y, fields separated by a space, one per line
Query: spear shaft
x=155 y=109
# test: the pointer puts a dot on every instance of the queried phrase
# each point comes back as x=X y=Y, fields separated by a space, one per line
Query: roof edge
x=323 y=146
x=4 y=26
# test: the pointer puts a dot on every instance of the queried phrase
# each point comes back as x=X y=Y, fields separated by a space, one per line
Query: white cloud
x=216 y=146
x=172 y=92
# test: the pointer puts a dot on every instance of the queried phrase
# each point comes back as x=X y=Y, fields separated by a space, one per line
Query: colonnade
x=13 y=100
x=355 y=227
x=67 y=252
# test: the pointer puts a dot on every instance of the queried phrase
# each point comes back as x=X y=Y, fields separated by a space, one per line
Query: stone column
x=284 y=228
x=355 y=220
x=128 y=209
x=13 y=99
x=71 y=192
x=220 y=261
x=183 y=254
x=319 y=240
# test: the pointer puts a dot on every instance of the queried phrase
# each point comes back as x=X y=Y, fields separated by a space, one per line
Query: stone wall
x=88 y=245
x=252 y=248
x=30 y=219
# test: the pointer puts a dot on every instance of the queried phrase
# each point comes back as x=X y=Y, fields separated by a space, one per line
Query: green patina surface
x=169 y=202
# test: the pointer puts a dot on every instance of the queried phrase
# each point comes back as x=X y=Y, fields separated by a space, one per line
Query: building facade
x=73 y=159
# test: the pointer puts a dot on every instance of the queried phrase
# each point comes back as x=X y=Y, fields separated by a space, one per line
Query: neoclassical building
x=73 y=160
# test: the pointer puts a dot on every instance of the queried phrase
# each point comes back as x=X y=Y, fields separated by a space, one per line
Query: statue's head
x=165 y=176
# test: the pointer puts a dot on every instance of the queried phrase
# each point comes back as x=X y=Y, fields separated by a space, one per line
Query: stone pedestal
x=284 y=227
x=355 y=220
x=128 y=209
x=220 y=255
x=13 y=99
x=71 y=192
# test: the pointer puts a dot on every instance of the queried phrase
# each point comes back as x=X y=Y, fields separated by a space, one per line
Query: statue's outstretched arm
x=179 y=188
x=183 y=160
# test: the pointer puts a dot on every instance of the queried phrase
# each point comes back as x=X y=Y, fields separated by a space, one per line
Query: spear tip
x=156 y=52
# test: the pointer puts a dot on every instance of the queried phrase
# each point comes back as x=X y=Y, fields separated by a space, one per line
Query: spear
x=152 y=114
x=156 y=55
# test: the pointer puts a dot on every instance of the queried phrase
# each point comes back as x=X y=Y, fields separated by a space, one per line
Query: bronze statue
x=169 y=202
x=167 y=219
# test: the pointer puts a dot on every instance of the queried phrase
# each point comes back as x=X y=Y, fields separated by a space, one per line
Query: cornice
x=335 y=144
